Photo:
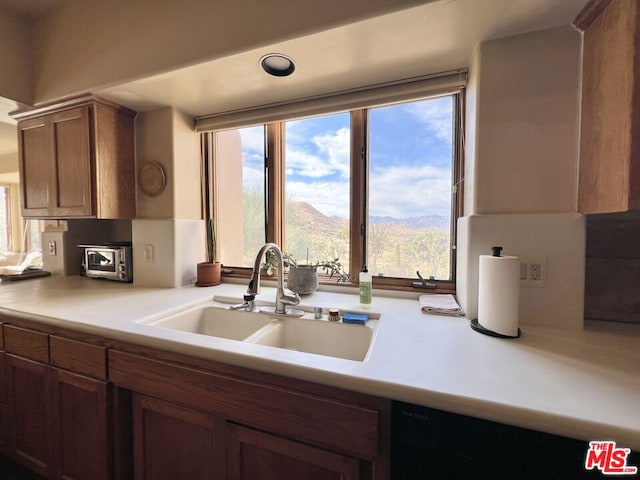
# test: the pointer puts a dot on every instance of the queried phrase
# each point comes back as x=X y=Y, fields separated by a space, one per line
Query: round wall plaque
x=152 y=178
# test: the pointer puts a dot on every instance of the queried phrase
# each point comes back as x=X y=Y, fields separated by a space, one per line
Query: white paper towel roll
x=499 y=294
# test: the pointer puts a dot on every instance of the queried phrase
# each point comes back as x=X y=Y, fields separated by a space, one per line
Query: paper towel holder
x=479 y=328
x=475 y=325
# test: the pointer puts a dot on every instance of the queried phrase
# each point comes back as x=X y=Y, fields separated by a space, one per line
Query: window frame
x=8 y=215
x=359 y=204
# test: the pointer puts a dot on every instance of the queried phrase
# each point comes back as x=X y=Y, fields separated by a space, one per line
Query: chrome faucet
x=248 y=305
x=282 y=299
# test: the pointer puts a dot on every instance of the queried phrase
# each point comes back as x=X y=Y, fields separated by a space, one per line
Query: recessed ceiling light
x=277 y=65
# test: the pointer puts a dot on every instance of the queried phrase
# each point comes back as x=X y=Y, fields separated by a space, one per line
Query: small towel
x=440 y=304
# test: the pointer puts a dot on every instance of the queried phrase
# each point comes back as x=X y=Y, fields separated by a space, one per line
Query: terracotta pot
x=302 y=279
x=209 y=274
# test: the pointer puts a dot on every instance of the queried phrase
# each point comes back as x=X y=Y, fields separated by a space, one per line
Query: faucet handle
x=291 y=300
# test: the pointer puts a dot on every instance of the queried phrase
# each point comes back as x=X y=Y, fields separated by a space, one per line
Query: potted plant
x=209 y=273
x=302 y=279
x=333 y=268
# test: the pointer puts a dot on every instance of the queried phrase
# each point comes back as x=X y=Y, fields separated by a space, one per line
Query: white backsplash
x=560 y=238
x=178 y=245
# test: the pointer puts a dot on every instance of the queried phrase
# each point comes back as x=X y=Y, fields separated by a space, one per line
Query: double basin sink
x=308 y=335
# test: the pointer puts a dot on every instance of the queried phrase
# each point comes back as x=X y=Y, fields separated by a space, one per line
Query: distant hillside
x=304 y=215
x=307 y=215
x=397 y=247
x=427 y=221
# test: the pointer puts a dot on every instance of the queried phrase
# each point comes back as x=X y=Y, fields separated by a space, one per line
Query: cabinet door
x=4 y=418
x=35 y=150
x=71 y=192
x=29 y=412
x=254 y=455
x=171 y=442
x=81 y=440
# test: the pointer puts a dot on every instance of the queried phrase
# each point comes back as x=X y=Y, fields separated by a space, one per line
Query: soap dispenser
x=365 y=281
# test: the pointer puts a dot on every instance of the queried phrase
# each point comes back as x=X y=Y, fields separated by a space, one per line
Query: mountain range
x=309 y=215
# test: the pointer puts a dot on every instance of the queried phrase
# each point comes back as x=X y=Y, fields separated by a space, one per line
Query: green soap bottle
x=365 y=281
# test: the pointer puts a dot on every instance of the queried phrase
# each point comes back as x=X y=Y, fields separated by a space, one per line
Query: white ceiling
x=427 y=39
x=430 y=38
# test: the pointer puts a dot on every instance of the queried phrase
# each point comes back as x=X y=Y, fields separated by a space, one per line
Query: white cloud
x=253 y=139
x=252 y=178
x=402 y=192
x=397 y=192
x=332 y=157
x=435 y=115
x=330 y=198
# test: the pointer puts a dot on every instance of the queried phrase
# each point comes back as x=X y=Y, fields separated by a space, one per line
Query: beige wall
x=154 y=142
x=186 y=168
x=166 y=136
x=526 y=124
x=521 y=171
x=94 y=43
x=170 y=222
x=9 y=163
x=16 y=80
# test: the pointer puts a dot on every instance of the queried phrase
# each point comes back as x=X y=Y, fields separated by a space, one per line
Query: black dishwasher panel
x=432 y=444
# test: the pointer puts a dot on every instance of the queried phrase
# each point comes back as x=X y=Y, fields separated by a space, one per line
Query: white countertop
x=583 y=384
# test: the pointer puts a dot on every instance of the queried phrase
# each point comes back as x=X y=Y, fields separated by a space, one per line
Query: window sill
x=379 y=282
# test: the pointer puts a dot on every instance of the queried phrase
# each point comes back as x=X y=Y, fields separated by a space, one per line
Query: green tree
x=430 y=253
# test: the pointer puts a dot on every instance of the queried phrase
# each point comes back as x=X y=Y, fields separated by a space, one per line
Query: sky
x=410 y=152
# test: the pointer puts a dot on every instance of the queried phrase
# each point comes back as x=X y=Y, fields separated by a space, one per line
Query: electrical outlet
x=533 y=272
x=53 y=251
x=148 y=254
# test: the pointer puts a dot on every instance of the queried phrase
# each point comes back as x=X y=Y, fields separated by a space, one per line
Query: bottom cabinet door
x=4 y=410
x=81 y=442
x=171 y=442
x=254 y=455
x=29 y=411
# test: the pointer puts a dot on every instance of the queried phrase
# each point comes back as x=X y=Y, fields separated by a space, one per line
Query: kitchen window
x=5 y=219
x=375 y=186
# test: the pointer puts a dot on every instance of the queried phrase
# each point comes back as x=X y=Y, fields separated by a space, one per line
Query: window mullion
x=275 y=183
x=359 y=209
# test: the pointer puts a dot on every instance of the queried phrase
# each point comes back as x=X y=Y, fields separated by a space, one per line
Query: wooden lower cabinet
x=29 y=411
x=77 y=409
x=80 y=426
x=58 y=421
x=172 y=442
x=255 y=455
x=4 y=414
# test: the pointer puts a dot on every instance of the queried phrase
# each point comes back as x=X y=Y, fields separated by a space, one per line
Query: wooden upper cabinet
x=70 y=180
x=609 y=179
x=77 y=160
